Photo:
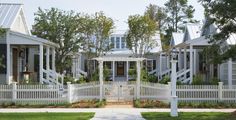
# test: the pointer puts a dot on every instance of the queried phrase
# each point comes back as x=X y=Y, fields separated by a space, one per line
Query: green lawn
x=189 y=116
x=46 y=116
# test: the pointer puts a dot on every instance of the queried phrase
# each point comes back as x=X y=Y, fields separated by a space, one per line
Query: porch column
x=191 y=63
x=179 y=60
x=185 y=61
x=53 y=59
x=230 y=72
x=138 y=79
x=113 y=70
x=47 y=60
x=195 y=62
x=41 y=63
x=101 y=78
x=127 y=70
x=8 y=80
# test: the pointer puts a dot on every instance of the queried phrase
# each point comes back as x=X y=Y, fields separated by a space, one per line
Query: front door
x=120 y=68
x=14 y=64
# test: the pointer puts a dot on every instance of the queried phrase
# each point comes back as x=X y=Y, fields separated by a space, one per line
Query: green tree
x=61 y=27
x=157 y=14
x=140 y=34
x=97 y=29
x=222 y=14
x=103 y=28
x=178 y=13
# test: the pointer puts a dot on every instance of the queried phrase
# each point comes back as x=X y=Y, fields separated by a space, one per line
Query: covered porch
x=29 y=59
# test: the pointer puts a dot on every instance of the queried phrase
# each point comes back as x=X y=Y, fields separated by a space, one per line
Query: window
x=118 y=42
x=112 y=42
x=123 y=42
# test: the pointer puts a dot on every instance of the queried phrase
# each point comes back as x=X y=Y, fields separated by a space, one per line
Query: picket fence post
x=14 y=92
x=220 y=91
x=69 y=92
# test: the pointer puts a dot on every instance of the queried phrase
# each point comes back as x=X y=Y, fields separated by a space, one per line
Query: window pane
x=118 y=42
x=112 y=42
x=123 y=42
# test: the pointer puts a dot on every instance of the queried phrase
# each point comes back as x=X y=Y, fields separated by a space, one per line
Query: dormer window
x=117 y=42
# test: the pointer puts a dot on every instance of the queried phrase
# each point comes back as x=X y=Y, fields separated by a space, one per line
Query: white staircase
x=51 y=77
x=183 y=75
x=79 y=73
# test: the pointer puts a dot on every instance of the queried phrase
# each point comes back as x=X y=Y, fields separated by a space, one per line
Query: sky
x=118 y=10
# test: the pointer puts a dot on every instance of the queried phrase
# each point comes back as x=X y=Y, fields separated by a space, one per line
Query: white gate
x=119 y=91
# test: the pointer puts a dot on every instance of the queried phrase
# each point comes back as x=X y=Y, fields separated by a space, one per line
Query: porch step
x=126 y=104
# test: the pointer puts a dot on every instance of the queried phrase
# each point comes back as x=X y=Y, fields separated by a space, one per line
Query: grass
x=189 y=116
x=46 y=116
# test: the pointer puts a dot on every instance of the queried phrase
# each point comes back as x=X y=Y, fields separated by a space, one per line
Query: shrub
x=106 y=73
x=197 y=79
x=150 y=104
x=132 y=72
x=69 y=78
x=165 y=80
x=214 y=81
x=144 y=75
x=152 y=78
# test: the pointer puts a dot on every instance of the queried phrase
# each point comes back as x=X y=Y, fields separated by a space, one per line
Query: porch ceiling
x=118 y=59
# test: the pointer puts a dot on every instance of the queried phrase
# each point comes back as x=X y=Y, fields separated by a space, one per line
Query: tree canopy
x=139 y=36
x=61 y=27
x=170 y=18
x=222 y=13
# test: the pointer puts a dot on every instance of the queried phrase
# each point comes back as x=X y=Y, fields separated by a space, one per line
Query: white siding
x=19 y=24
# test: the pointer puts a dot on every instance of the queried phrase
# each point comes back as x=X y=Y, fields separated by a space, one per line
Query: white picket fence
x=32 y=94
x=85 y=91
x=206 y=93
x=54 y=94
x=155 y=91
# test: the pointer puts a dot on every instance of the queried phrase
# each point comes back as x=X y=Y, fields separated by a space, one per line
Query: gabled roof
x=192 y=31
x=232 y=39
x=158 y=48
x=10 y=13
x=177 y=38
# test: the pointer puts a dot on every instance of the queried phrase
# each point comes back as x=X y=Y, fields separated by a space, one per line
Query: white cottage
x=190 y=59
x=119 y=59
x=26 y=58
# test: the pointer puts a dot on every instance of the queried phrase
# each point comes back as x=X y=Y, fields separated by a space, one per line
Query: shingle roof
x=8 y=13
